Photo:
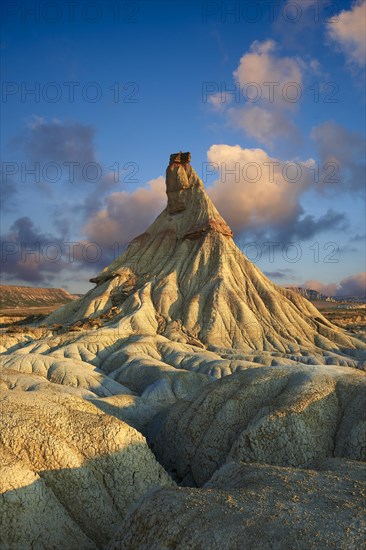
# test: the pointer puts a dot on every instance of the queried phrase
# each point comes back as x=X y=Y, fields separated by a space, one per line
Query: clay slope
x=68 y=472
x=254 y=507
x=285 y=416
x=186 y=279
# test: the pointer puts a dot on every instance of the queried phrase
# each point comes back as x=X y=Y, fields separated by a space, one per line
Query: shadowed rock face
x=286 y=416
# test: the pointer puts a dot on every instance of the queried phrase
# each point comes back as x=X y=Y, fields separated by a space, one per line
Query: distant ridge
x=310 y=294
x=26 y=296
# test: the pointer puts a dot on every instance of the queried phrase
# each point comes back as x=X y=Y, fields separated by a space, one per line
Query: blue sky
x=149 y=78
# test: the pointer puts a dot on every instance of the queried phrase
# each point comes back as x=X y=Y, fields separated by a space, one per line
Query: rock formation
x=186 y=275
x=245 y=392
x=312 y=295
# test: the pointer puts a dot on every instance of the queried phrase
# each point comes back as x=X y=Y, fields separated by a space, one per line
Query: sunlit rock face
x=186 y=342
x=178 y=180
x=68 y=470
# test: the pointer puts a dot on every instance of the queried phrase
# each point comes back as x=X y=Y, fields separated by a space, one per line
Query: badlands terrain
x=185 y=401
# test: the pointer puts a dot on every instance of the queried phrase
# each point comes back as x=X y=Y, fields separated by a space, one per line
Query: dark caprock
x=180 y=158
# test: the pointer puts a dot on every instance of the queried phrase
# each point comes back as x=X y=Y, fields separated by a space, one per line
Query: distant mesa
x=25 y=296
x=312 y=295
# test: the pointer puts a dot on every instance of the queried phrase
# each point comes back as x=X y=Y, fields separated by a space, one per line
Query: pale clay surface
x=254 y=507
x=220 y=368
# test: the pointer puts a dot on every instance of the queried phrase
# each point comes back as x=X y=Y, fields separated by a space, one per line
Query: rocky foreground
x=184 y=402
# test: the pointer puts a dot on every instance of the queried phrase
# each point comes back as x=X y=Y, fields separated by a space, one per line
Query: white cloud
x=264 y=124
x=270 y=88
x=34 y=120
x=261 y=195
x=262 y=65
x=347 y=31
x=329 y=289
x=247 y=203
x=220 y=100
x=126 y=215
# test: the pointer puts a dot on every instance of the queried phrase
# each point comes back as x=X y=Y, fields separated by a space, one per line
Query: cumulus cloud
x=70 y=147
x=23 y=255
x=260 y=194
x=249 y=198
x=126 y=215
x=219 y=100
x=353 y=285
x=268 y=88
x=348 y=31
x=343 y=151
x=272 y=85
x=329 y=289
x=264 y=124
x=30 y=255
x=262 y=64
